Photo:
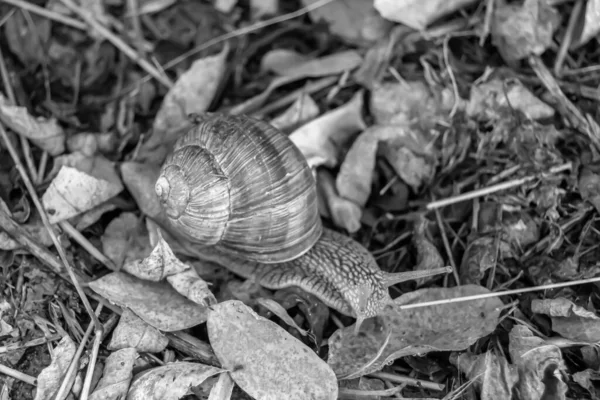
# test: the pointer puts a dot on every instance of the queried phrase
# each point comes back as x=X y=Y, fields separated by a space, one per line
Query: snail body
x=242 y=185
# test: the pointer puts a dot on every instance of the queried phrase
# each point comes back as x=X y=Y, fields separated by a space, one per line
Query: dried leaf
x=492 y=374
x=303 y=110
x=73 y=192
x=125 y=239
x=133 y=332
x=416 y=13
x=345 y=213
x=191 y=94
x=280 y=60
x=28 y=36
x=47 y=134
x=428 y=257
x=189 y=284
x=323 y=139
x=453 y=326
x=265 y=360
x=51 y=377
x=520 y=30
x=171 y=381
x=157 y=303
x=591 y=25
x=116 y=376
x=569 y=320
x=490 y=100
x=223 y=389
x=355 y=21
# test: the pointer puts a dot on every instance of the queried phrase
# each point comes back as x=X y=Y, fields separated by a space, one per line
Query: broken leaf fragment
x=264 y=359
x=51 y=377
x=47 y=134
x=133 y=332
x=116 y=376
x=418 y=13
x=73 y=192
x=171 y=381
x=445 y=327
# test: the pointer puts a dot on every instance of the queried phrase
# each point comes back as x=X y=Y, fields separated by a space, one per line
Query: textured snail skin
x=239 y=183
x=337 y=270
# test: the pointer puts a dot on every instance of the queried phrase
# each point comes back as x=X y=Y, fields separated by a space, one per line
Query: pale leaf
x=418 y=14
x=117 y=374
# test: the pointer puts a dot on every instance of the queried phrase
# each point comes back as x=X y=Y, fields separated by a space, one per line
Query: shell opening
x=173 y=191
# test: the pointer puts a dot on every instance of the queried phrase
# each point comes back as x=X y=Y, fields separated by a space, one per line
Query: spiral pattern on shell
x=240 y=184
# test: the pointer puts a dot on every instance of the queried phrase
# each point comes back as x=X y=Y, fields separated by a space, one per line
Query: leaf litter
x=439 y=133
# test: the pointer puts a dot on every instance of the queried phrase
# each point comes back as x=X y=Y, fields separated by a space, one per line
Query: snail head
x=173 y=190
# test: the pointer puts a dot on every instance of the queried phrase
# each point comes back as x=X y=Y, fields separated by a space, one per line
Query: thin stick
x=18 y=375
x=83 y=242
x=41 y=11
x=42 y=212
x=493 y=189
x=568 y=38
x=405 y=379
x=118 y=43
x=87 y=383
x=498 y=294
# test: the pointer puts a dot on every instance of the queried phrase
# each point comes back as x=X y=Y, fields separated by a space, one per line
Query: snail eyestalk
x=173 y=191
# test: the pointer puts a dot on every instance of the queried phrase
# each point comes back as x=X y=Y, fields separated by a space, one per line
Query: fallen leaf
x=281 y=313
x=355 y=21
x=73 y=192
x=569 y=320
x=51 y=377
x=445 y=327
x=591 y=24
x=263 y=359
x=28 y=36
x=189 y=284
x=332 y=64
x=192 y=93
x=418 y=13
x=323 y=139
x=279 y=60
x=47 y=134
x=133 y=332
x=494 y=377
x=344 y=212
x=522 y=29
x=302 y=111
x=171 y=381
x=125 y=239
x=223 y=389
x=117 y=375
x=157 y=303
x=490 y=100
x=262 y=8
x=428 y=256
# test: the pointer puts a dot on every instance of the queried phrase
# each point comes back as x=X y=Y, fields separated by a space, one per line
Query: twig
x=42 y=212
x=497 y=294
x=51 y=15
x=441 y=227
x=118 y=43
x=18 y=375
x=87 y=383
x=406 y=379
x=568 y=38
x=83 y=242
x=68 y=378
x=492 y=189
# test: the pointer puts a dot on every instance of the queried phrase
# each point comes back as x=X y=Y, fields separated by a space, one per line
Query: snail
x=243 y=192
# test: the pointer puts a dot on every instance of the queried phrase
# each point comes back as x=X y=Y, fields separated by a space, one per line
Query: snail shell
x=240 y=184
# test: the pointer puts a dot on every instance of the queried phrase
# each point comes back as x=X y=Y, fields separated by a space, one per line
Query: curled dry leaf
x=157 y=303
x=171 y=381
x=51 y=377
x=428 y=256
x=133 y=332
x=591 y=25
x=521 y=340
x=445 y=327
x=481 y=255
x=265 y=360
x=116 y=376
x=355 y=178
x=73 y=192
x=328 y=65
x=27 y=35
x=191 y=94
x=324 y=139
x=490 y=100
x=416 y=13
x=279 y=60
x=355 y=21
x=303 y=110
x=345 y=213
x=47 y=134
x=280 y=312
x=569 y=320
x=522 y=29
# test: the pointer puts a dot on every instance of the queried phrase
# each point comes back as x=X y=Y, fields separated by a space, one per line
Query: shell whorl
x=239 y=183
